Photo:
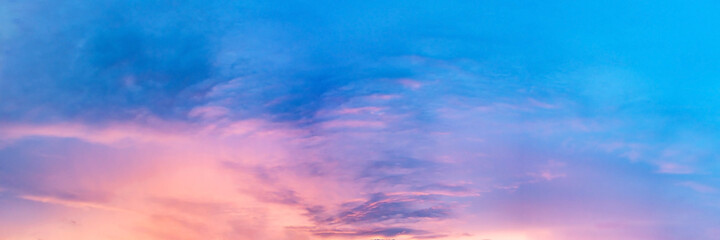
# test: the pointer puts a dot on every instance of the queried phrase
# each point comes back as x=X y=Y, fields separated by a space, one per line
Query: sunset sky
x=359 y=120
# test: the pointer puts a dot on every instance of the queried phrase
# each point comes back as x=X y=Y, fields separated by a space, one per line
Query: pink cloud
x=410 y=83
x=674 y=168
x=358 y=110
x=353 y=124
x=698 y=187
x=114 y=134
x=208 y=112
x=383 y=96
x=537 y=103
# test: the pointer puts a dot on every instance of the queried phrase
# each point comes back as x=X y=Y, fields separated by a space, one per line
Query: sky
x=359 y=120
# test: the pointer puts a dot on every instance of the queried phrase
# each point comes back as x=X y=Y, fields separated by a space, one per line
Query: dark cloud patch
x=272 y=191
x=79 y=59
x=357 y=219
x=382 y=208
x=318 y=214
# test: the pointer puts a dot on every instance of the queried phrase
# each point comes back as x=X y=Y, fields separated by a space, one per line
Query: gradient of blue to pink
x=339 y=120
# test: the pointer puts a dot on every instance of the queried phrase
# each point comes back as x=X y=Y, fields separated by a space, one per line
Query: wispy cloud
x=357 y=120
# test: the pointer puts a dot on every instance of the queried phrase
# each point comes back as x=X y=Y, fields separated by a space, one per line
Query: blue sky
x=355 y=120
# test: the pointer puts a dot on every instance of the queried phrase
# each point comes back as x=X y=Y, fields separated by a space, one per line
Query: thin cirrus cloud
x=326 y=120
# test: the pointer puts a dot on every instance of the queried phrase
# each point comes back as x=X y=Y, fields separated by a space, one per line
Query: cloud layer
x=370 y=120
